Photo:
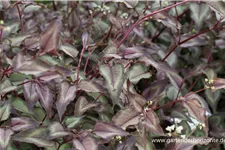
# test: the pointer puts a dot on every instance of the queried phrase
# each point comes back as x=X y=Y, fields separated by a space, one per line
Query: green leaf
x=138 y=72
x=20 y=105
x=199 y=13
x=72 y=122
x=6 y=86
x=5 y=110
x=212 y=98
x=37 y=136
x=56 y=131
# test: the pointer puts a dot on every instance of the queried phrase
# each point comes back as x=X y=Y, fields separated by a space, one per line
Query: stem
x=54 y=6
x=78 y=67
x=191 y=37
x=21 y=20
x=147 y=16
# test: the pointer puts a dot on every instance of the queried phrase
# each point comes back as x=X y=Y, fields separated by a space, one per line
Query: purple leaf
x=197 y=41
x=151 y=122
x=30 y=94
x=155 y=90
x=91 y=86
x=126 y=117
x=23 y=123
x=86 y=142
x=25 y=64
x=5 y=136
x=198 y=112
x=137 y=101
x=67 y=94
x=49 y=38
x=73 y=19
x=217 y=6
x=82 y=105
x=114 y=76
x=46 y=97
x=167 y=20
x=137 y=52
x=107 y=130
x=69 y=50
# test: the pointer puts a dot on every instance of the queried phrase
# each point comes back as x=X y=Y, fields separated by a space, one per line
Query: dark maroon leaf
x=73 y=19
x=67 y=94
x=126 y=117
x=167 y=20
x=46 y=97
x=107 y=130
x=49 y=38
x=152 y=124
x=91 y=86
x=85 y=142
x=30 y=94
x=137 y=101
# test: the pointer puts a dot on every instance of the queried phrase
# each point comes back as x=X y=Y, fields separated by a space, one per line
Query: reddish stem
x=21 y=20
x=147 y=16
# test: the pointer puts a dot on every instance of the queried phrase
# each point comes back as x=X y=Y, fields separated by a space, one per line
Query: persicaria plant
x=106 y=75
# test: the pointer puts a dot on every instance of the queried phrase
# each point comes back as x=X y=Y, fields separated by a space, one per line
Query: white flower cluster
x=175 y=128
x=208 y=82
x=104 y=9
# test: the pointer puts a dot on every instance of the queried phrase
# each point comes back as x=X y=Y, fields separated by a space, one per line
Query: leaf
x=199 y=13
x=46 y=97
x=129 y=143
x=31 y=8
x=152 y=124
x=6 y=86
x=212 y=98
x=171 y=73
x=85 y=143
x=20 y=105
x=5 y=136
x=217 y=6
x=67 y=94
x=138 y=72
x=72 y=122
x=56 y=131
x=5 y=110
x=91 y=86
x=17 y=39
x=29 y=66
x=167 y=20
x=196 y=41
x=49 y=38
x=130 y=3
x=196 y=111
x=107 y=130
x=137 y=101
x=126 y=117
x=23 y=123
x=69 y=50
x=30 y=94
x=82 y=105
x=114 y=76
x=73 y=19
x=37 y=136
x=138 y=52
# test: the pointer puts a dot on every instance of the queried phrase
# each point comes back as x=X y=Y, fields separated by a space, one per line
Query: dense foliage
x=106 y=75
